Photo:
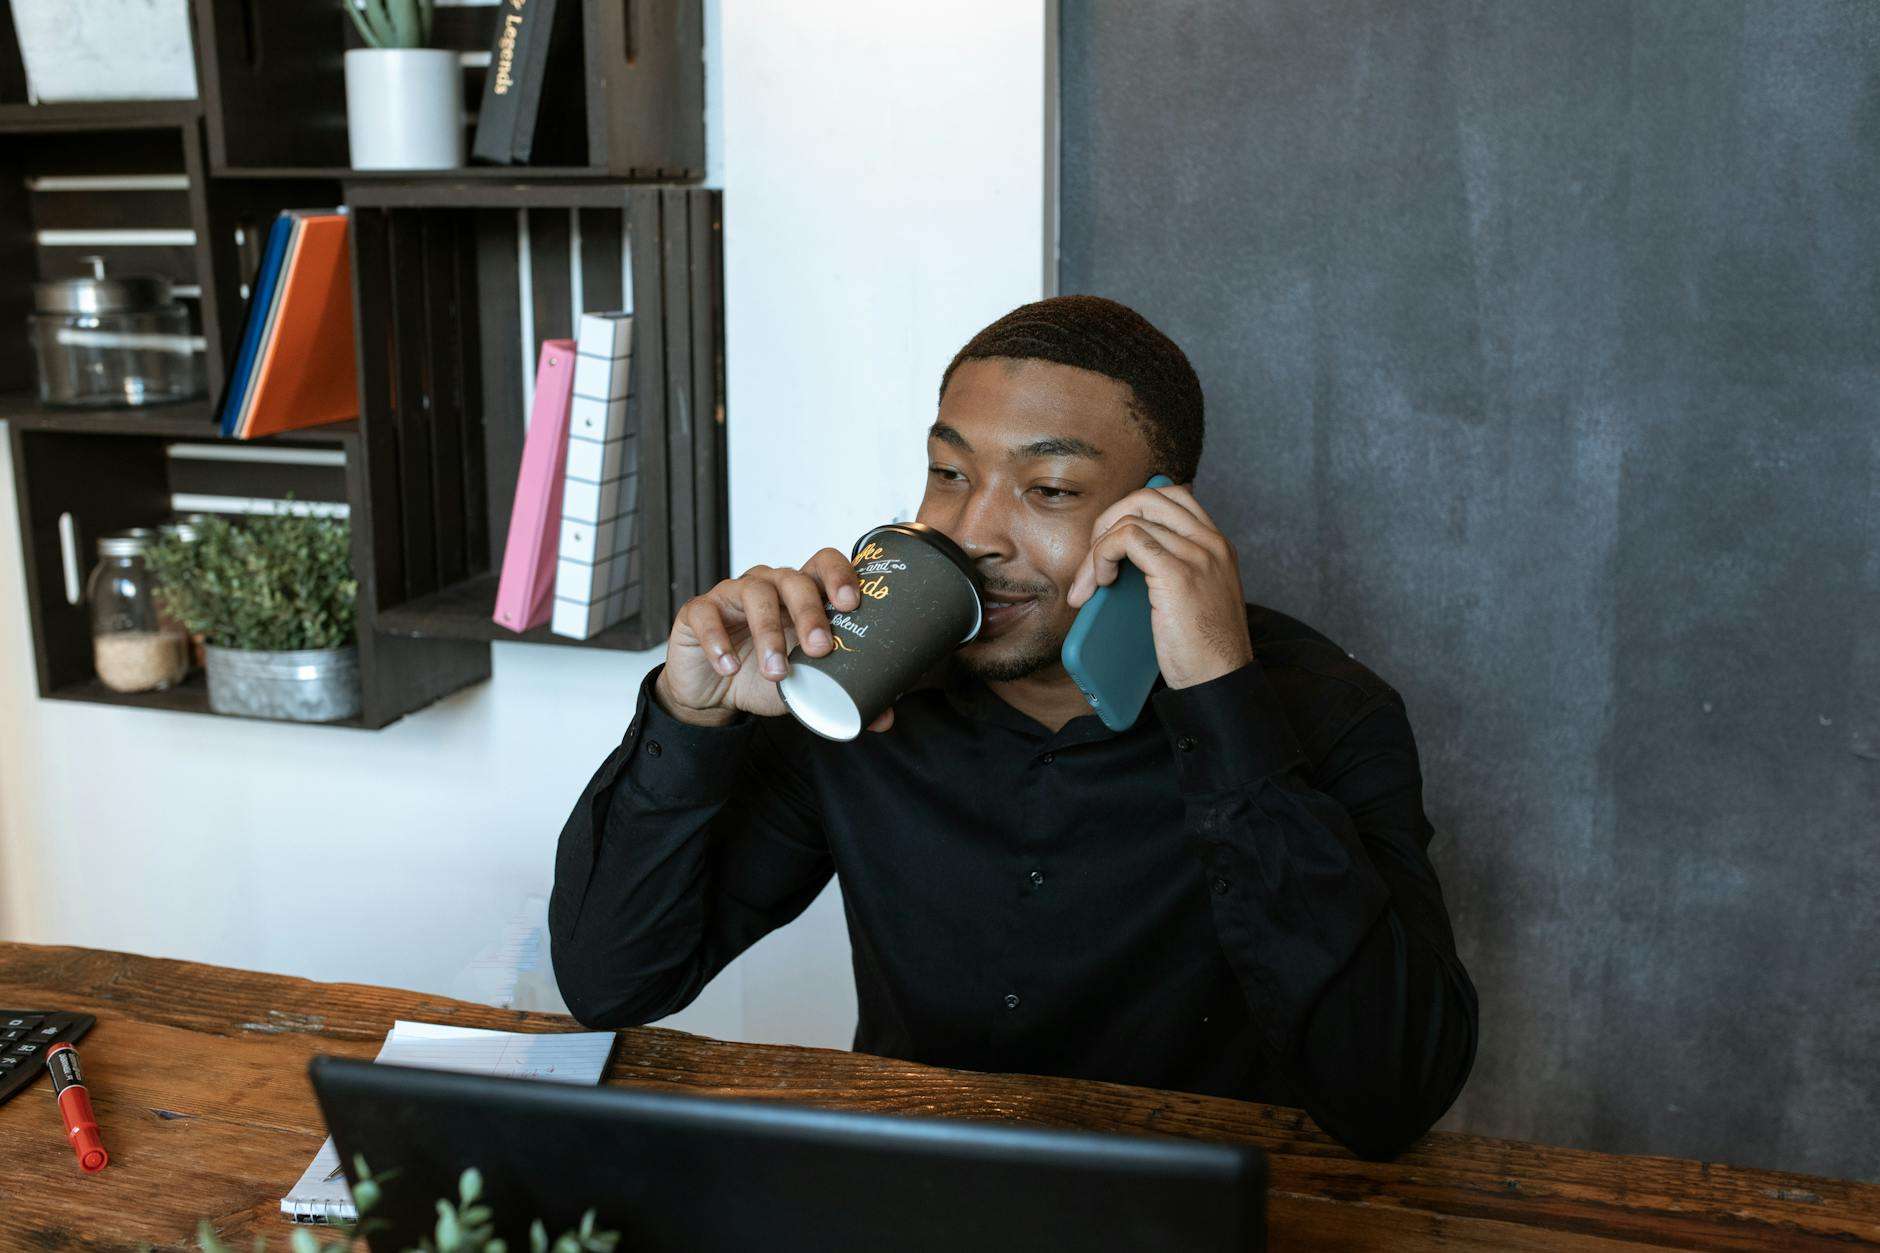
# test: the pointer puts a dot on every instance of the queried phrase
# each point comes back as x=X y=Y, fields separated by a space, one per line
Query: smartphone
x=1110 y=652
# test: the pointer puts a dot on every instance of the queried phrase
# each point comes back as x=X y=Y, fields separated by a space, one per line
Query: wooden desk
x=199 y=1078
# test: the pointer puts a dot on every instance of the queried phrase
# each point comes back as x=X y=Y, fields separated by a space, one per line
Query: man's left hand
x=1196 y=610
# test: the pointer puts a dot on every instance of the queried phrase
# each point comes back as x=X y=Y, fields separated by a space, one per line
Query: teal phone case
x=1110 y=651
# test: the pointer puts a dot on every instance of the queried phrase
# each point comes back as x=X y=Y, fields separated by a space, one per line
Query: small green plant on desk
x=461 y=1228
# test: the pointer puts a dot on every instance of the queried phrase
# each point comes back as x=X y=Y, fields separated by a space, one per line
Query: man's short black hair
x=1112 y=339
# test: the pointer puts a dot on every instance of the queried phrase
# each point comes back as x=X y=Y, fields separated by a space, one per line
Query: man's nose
x=982 y=526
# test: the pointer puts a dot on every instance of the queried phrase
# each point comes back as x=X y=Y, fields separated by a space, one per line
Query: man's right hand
x=729 y=647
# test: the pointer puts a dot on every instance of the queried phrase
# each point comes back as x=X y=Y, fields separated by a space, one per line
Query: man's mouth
x=1002 y=611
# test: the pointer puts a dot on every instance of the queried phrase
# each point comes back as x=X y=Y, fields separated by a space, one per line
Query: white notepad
x=568 y=1057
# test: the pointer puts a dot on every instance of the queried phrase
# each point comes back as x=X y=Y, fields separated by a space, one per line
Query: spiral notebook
x=321 y=1195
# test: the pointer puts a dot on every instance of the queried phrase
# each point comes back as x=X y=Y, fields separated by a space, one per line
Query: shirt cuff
x=1229 y=731
x=676 y=761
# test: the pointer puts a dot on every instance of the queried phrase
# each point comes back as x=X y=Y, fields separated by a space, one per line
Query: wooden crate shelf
x=273 y=85
x=106 y=481
x=101 y=196
x=458 y=277
x=443 y=375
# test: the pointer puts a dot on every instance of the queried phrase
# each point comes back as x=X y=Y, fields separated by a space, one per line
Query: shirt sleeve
x=1326 y=904
x=688 y=845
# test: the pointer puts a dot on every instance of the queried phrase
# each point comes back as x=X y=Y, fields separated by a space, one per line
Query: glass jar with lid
x=188 y=529
x=185 y=528
x=136 y=647
x=102 y=341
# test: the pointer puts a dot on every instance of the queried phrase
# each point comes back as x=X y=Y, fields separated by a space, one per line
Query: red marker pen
x=81 y=1127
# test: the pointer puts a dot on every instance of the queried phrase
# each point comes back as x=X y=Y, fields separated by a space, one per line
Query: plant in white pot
x=404 y=101
x=274 y=601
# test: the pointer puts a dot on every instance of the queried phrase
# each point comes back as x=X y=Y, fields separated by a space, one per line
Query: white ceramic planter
x=105 y=50
x=404 y=108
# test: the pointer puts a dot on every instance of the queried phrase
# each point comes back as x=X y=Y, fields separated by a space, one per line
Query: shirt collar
x=972 y=698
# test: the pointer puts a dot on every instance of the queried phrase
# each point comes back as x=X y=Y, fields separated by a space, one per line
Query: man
x=1230 y=897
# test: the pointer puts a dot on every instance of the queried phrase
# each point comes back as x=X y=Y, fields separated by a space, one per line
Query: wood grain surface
x=198 y=1074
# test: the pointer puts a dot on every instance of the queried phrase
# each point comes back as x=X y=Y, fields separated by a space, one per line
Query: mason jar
x=135 y=647
x=188 y=529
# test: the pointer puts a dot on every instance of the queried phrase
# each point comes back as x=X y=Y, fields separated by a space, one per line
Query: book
x=270 y=318
x=525 y=590
x=321 y=1195
x=551 y=113
x=534 y=102
x=597 y=572
x=307 y=372
x=260 y=301
x=495 y=136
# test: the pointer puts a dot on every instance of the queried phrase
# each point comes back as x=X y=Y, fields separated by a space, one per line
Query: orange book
x=309 y=371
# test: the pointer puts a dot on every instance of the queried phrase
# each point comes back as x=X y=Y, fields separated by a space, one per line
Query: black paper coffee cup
x=920 y=601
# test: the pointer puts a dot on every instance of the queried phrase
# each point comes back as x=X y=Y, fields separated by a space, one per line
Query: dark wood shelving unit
x=442 y=409
x=442 y=292
x=213 y=227
x=273 y=86
x=105 y=480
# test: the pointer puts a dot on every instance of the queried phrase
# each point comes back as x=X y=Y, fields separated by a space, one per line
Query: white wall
x=883 y=168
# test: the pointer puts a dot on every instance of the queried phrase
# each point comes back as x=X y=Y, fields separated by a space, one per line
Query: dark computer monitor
x=699 y=1174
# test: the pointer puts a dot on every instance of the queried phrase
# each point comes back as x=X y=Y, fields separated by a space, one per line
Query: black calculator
x=25 y=1035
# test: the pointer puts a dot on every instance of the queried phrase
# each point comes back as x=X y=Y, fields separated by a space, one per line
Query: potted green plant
x=274 y=602
x=404 y=99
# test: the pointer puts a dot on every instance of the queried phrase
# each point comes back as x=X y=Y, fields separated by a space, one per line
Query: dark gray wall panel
x=1542 y=353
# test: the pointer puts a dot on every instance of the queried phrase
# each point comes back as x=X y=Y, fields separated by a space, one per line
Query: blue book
x=260 y=300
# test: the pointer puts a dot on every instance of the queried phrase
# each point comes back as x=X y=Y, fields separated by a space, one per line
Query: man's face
x=1022 y=459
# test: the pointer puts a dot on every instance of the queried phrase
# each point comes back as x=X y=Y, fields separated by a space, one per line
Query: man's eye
x=945 y=474
x=1056 y=493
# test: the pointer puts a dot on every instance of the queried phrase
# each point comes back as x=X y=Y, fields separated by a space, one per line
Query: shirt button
x=1186 y=743
x=1011 y=1000
x=1037 y=878
x=1048 y=758
x=652 y=748
x=1221 y=885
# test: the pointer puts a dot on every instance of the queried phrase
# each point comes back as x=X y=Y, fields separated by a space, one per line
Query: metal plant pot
x=306 y=685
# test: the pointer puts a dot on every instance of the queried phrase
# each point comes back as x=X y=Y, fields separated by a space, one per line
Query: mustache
x=1007 y=587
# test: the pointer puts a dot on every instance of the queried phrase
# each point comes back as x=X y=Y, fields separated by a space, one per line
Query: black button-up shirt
x=1231 y=897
